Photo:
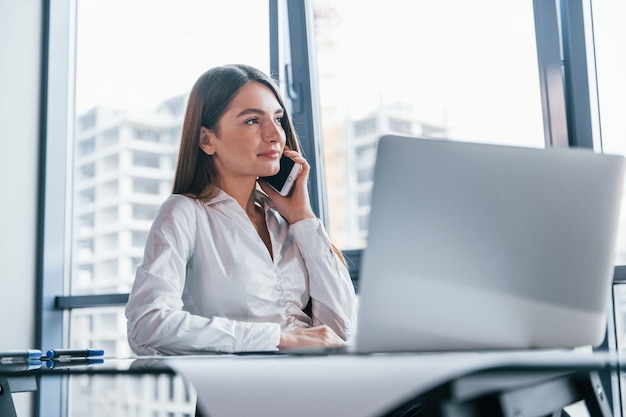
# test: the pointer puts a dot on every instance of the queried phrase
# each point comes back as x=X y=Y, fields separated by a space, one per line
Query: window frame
x=54 y=195
x=292 y=62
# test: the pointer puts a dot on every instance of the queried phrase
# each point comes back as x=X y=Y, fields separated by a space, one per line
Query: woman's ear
x=207 y=141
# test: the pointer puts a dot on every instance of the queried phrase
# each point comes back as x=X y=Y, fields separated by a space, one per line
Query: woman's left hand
x=296 y=206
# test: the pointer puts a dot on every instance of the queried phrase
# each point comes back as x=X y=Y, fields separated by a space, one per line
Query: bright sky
x=474 y=66
x=471 y=65
x=136 y=53
x=610 y=40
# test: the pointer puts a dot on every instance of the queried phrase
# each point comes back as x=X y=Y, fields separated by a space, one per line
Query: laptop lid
x=480 y=246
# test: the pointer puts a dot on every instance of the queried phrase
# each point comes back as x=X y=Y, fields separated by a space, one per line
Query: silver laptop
x=479 y=246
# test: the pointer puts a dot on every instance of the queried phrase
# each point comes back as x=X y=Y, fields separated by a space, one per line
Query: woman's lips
x=274 y=154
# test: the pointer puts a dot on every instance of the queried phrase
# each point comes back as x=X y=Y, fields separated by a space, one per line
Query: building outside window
x=127 y=130
x=416 y=75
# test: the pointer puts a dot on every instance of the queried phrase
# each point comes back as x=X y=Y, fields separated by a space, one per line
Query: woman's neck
x=244 y=193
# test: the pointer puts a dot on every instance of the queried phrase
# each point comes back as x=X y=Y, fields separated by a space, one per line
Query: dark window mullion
x=579 y=69
x=299 y=83
x=87 y=301
x=57 y=93
x=551 y=80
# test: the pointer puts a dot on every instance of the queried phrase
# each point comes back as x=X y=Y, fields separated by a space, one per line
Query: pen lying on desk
x=73 y=353
x=61 y=364
x=20 y=366
x=20 y=355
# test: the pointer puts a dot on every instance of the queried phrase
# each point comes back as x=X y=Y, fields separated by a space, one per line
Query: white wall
x=20 y=69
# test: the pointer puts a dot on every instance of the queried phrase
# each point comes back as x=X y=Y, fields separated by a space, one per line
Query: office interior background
x=93 y=93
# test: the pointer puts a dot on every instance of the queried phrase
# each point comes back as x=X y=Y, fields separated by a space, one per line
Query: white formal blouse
x=208 y=283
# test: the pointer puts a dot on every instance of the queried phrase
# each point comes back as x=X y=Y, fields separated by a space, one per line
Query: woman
x=229 y=264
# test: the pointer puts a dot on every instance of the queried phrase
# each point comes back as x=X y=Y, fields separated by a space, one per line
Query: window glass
x=447 y=69
x=136 y=61
x=610 y=38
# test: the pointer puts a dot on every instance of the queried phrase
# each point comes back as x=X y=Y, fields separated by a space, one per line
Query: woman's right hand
x=309 y=336
x=297 y=206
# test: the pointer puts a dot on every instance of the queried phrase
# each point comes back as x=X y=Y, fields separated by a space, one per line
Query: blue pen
x=73 y=353
x=20 y=355
x=59 y=363
x=18 y=366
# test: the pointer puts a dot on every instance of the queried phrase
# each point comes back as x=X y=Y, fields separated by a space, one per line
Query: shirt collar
x=222 y=196
x=218 y=197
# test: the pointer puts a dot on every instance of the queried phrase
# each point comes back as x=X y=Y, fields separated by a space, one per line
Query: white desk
x=523 y=384
x=375 y=385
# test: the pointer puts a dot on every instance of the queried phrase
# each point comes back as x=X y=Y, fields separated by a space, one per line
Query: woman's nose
x=273 y=132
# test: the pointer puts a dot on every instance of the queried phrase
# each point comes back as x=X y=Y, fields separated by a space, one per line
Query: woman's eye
x=252 y=121
x=279 y=120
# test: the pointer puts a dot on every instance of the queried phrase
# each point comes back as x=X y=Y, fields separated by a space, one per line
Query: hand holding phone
x=286 y=177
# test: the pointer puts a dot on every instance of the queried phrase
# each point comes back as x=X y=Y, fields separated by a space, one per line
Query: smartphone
x=286 y=177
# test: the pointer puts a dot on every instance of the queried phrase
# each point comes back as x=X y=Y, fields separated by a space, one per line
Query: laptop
x=487 y=247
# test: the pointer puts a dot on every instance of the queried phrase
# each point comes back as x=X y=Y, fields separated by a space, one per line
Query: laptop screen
x=474 y=246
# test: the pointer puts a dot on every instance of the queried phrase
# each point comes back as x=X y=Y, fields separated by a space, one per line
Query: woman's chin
x=270 y=172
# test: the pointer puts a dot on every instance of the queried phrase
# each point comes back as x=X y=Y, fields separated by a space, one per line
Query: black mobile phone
x=284 y=180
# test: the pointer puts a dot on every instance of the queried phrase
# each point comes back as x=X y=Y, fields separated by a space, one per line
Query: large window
x=135 y=64
x=450 y=69
x=610 y=38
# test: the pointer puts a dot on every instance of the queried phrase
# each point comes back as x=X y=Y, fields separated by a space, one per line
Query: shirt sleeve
x=332 y=292
x=156 y=321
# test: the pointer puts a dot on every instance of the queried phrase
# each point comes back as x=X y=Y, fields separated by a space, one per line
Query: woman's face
x=249 y=139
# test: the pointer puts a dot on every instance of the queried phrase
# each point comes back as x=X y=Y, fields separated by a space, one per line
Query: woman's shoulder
x=180 y=200
x=177 y=204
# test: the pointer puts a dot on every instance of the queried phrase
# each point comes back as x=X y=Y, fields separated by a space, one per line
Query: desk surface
x=347 y=385
x=357 y=385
